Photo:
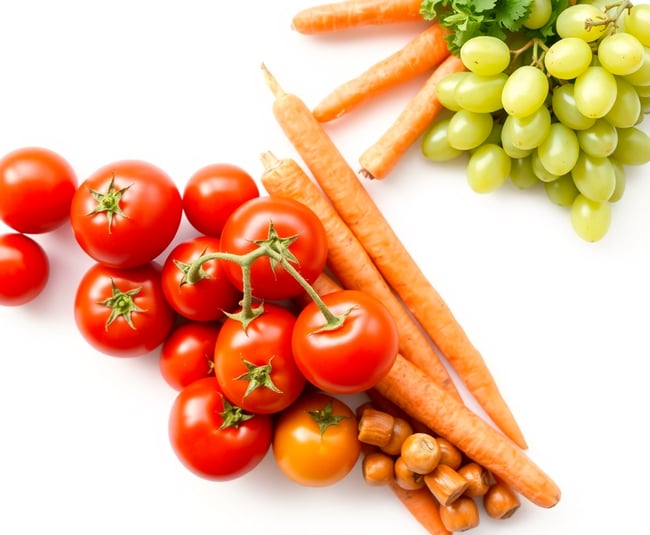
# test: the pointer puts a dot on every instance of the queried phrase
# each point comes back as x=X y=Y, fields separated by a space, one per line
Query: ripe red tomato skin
x=307 y=457
x=267 y=339
x=36 y=189
x=152 y=206
x=186 y=354
x=152 y=325
x=207 y=299
x=205 y=449
x=251 y=221
x=355 y=356
x=213 y=192
x=24 y=269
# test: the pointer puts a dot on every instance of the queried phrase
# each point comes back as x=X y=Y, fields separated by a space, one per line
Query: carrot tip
x=271 y=82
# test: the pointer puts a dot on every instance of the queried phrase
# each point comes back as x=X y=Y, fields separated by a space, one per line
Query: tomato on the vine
x=126 y=213
x=315 y=442
x=36 y=189
x=213 y=438
x=24 y=269
x=187 y=353
x=288 y=225
x=353 y=356
x=210 y=297
x=255 y=367
x=123 y=312
x=213 y=193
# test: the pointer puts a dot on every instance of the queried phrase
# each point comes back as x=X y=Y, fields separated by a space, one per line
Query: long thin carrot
x=346 y=14
x=422 y=53
x=415 y=393
x=381 y=157
x=350 y=263
x=355 y=206
x=423 y=506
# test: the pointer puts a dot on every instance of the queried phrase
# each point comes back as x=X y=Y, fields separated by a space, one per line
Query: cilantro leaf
x=512 y=13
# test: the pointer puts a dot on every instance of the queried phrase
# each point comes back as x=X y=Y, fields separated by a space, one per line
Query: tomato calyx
x=232 y=415
x=325 y=417
x=258 y=377
x=278 y=246
x=109 y=202
x=122 y=305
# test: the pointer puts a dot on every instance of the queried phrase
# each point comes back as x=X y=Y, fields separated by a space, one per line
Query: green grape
x=467 y=130
x=480 y=94
x=539 y=15
x=645 y=104
x=633 y=146
x=567 y=58
x=627 y=107
x=528 y=132
x=525 y=91
x=590 y=219
x=485 y=55
x=594 y=177
x=510 y=148
x=600 y=140
x=637 y=23
x=595 y=91
x=566 y=111
x=643 y=91
x=559 y=152
x=522 y=174
x=620 y=53
x=495 y=133
x=488 y=168
x=435 y=145
x=572 y=22
x=540 y=171
x=446 y=90
x=562 y=191
x=642 y=75
x=621 y=180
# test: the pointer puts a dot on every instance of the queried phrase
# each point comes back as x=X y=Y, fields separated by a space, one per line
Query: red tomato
x=207 y=299
x=255 y=367
x=315 y=440
x=24 y=269
x=295 y=224
x=352 y=357
x=36 y=189
x=123 y=312
x=213 y=193
x=126 y=213
x=186 y=355
x=214 y=439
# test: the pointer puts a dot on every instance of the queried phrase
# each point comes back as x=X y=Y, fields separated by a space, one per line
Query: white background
x=562 y=323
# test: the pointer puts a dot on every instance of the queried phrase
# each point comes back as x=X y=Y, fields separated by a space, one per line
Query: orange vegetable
x=337 y=16
x=424 y=508
x=420 y=397
x=460 y=515
x=347 y=257
x=362 y=216
x=422 y=53
x=500 y=501
x=381 y=157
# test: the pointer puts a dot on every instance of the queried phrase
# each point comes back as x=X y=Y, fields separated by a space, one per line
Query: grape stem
x=619 y=7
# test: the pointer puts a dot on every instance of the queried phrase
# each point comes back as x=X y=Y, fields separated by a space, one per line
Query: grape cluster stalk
x=563 y=112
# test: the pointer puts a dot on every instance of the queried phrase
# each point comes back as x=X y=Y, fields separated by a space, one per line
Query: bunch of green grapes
x=563 y=113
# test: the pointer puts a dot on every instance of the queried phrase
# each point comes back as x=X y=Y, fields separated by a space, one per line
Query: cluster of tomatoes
x=256 y=369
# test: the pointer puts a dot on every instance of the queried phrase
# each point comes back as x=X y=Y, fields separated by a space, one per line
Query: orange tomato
x=315 y=440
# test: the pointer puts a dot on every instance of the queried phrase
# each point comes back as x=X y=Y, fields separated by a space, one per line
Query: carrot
x=423 y=506
x=362 y=216
x=425 y=401
x=422 y=53
x=346 y=14
x=381 y=157
x=350 y=263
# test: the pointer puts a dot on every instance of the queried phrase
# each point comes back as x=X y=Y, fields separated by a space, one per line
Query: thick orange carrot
x=422 y=53
x=423 y=506
x=381 y=157
x=350 y=263
x=415 y=393
x=346 y=14
x=355 y=206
